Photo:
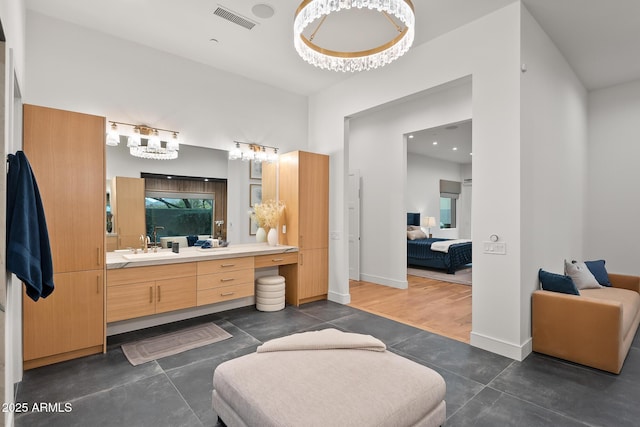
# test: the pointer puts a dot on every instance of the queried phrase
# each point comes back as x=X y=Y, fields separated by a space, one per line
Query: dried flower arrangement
x=268 y=214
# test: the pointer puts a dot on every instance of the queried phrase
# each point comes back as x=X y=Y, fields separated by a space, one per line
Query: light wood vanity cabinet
x=66 y=152
x=67 y=324
x=127 y=206
x=303 y=186
x=142 y=291
x=224 y=280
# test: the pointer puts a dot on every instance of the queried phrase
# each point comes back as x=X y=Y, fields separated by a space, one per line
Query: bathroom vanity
x=147 y=284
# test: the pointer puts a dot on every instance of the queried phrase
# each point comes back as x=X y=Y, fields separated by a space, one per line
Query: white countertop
x=190 y=254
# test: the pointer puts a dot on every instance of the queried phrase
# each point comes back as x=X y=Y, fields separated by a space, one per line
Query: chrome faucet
x=155 y=237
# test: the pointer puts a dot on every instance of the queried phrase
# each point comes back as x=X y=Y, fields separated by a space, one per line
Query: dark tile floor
x=483 y=389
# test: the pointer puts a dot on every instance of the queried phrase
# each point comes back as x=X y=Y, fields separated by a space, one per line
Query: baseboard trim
x=399 y=284
x=503 y=348
x=339 y=298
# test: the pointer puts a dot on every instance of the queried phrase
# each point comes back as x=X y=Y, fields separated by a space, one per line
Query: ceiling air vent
x=467 y=182
x=234 y=17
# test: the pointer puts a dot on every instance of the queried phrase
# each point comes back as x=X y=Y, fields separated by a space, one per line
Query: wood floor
x=439 y=307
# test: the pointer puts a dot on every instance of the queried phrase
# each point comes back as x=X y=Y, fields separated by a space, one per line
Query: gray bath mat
x=173 y=343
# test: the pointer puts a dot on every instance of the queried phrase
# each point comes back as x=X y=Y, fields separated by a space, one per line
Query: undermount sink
x=150 y=255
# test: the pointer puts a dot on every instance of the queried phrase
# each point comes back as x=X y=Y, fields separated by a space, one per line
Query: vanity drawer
x=121 y=276
x=225 y=293
x=208 y=281
x=224 y=265
x=276 y=259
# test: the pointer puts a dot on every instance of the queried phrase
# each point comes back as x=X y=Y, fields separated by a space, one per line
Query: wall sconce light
x=153 y=148
x=248 y=151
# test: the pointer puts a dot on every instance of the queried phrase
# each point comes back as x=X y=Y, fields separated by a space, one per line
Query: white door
x=354 y=225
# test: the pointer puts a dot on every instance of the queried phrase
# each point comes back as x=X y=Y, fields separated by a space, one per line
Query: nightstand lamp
x=428 y=222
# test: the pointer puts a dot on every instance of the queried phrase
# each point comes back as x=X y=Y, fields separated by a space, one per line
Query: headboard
x=413 y=218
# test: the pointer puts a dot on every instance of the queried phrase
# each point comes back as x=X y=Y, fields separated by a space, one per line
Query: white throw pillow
x=580 y=274
x=416 y=234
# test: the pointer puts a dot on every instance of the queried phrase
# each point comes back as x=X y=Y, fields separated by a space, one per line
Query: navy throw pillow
x=599 y=272
x=557 y=283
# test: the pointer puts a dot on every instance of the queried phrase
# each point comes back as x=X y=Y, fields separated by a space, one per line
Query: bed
x=419 y=251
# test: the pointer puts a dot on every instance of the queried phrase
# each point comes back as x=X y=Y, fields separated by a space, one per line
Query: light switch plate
x=495 y=248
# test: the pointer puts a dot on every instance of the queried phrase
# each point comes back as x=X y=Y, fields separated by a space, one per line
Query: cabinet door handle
x=227 y=265
x=159 y=287
x=301 y=259
x=277 y=259
x=98 y=257
x=226 y=294
x=301 y=236
x=150 y=294
x=97 y=284
x=227 y=279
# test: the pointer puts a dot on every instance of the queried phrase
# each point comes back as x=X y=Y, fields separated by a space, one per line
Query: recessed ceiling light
x=206 y=180
x=435 y=142
x=471 y=154
x=455 y=148
x=410 y=136
x=169 y=177
x=262 y=10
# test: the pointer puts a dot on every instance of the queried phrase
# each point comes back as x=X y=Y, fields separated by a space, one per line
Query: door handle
x=226 y=294
x=150 y=294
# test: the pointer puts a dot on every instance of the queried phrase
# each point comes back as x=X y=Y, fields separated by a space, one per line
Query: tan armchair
x=595 y=328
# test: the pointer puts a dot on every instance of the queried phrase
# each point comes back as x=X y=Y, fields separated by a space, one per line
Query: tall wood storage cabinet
x=127 y=204
x=66 y=152
x=303 y=185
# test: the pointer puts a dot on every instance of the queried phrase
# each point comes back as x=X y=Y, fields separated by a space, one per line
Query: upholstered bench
x=327 y=378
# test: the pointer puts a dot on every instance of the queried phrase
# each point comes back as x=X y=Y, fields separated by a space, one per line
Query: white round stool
x=270 y=293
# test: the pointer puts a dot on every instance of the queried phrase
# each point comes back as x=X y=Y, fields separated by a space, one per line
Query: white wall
x=465 y=205
x=423 y=192
x=488 y=50
x=553 y=162
x=12 y=15
x=612 y=229
x=378 y=150
x=91 y=72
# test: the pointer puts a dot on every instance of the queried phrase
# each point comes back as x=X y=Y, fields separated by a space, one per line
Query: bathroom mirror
x=195 y=183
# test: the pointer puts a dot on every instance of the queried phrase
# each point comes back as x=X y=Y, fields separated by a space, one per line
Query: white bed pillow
x=580 y=274
x=416 y=234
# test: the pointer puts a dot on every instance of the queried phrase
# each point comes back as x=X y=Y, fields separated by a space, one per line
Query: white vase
x=261 y=235
x=272 y=237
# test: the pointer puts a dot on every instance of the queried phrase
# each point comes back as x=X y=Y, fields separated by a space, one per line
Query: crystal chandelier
x=153 y=148
x=253 y=152
x=398 y=12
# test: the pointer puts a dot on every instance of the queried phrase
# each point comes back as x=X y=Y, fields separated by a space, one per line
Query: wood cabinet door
x=313 y=274
x=69 y=319
x=130 y=300
x=313 y=202
x=129 y=211
x=66 y=152
x=174 y=294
